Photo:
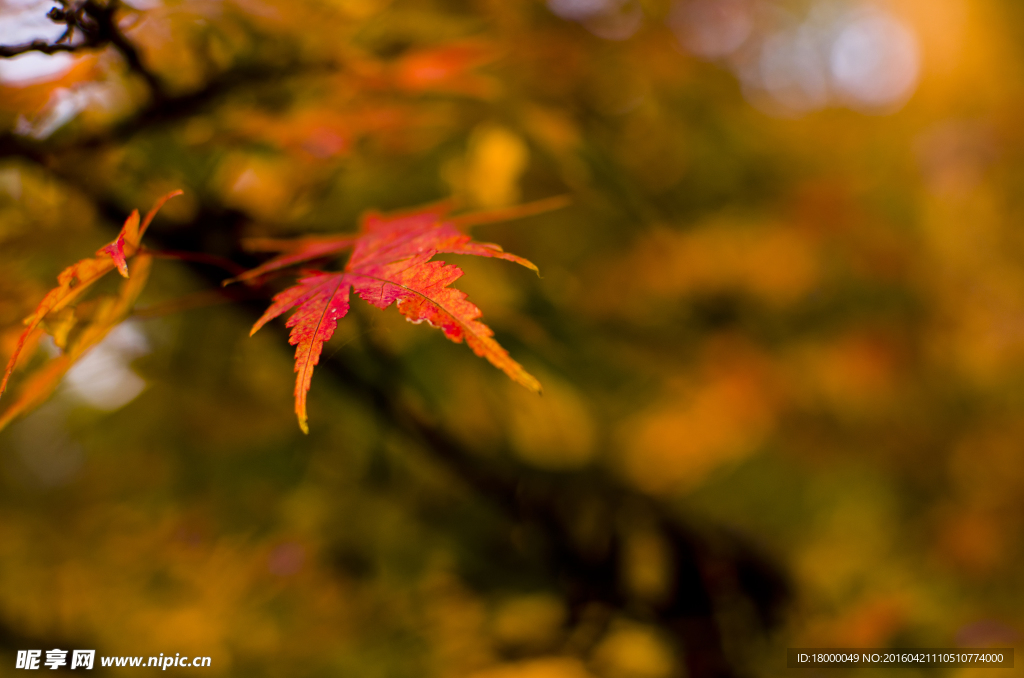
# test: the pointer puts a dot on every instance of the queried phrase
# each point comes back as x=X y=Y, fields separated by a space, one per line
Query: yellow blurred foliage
x=262 y=186
x=455 y=621
x=647 y=564
x=634 y=651
x=714 y=419
x=528 y=622
x=867 y=623
x=852 y=375
x=972 y=542
x=552 y=667
x=553 y=431
x=775 y=264
x=489 y=174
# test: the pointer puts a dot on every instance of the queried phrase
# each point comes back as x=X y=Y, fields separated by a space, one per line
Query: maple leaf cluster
x=391 y=263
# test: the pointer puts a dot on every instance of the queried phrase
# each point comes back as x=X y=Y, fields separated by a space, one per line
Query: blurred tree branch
x=545 y=503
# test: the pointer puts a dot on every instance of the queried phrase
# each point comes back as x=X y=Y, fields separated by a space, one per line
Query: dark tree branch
x=108 y=30
x=97 y=22
x=39 y=46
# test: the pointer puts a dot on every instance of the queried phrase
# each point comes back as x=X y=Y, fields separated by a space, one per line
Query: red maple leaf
x=390 y=263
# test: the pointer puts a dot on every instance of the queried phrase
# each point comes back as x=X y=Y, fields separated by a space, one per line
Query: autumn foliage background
x=780 y=331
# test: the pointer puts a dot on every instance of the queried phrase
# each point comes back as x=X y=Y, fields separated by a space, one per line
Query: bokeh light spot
x=711 y=29
x=875 y=62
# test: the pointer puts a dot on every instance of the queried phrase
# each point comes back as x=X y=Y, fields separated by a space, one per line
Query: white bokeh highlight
x=607 y=19
x=64 y=105
x=24 y=21
x=103 y=378
x=838 y=53
x=577 y=10
x=875 y=61
x=712 y=29
x=793 y=72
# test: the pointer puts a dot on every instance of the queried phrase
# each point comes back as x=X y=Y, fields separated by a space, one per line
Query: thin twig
x=198 y=257
x=40 y=46
x=97 y=24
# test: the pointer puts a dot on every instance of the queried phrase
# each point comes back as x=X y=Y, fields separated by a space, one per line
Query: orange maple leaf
x=77 y=278
x=450 y=68
x=390 y=263
x=110 y=312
